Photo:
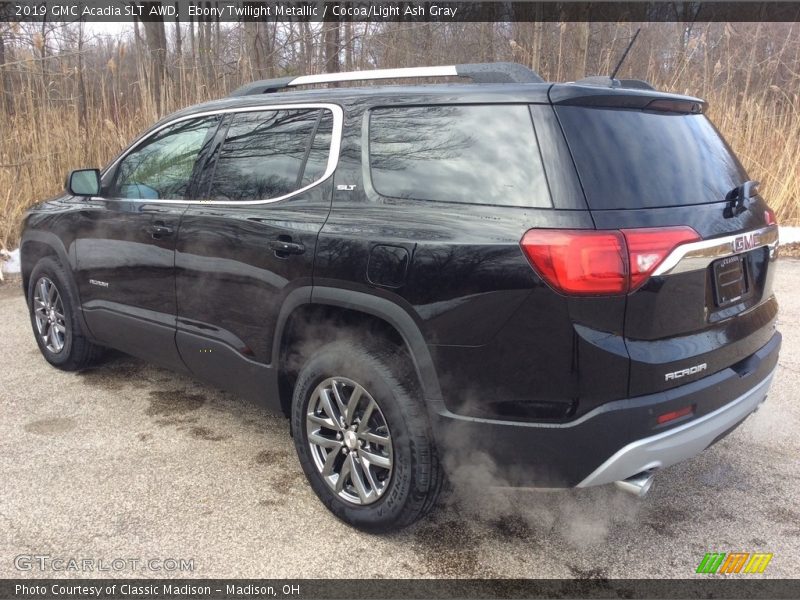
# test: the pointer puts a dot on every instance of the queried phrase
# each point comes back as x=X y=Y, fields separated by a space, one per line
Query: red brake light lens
x=587 y=262
x=579 y=261
x=769 y=217
x=647 y=248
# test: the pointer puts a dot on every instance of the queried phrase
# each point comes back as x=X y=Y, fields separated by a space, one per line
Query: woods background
x=73 y=95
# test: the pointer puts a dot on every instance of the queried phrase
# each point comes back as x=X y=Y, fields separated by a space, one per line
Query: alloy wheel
x=48 y=310
x=349 y=440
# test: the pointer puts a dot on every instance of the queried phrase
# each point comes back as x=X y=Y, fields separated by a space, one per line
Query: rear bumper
x=616 y=440
x=679 y=443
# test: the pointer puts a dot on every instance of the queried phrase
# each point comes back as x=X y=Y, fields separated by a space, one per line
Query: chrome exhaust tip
x=638 y=485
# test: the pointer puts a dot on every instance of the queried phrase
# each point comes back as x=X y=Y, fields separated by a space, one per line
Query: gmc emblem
x=746 y=242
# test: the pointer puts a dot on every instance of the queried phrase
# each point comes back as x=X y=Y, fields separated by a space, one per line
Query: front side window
x=266 y=154
x=162 y=167
x=479 y=154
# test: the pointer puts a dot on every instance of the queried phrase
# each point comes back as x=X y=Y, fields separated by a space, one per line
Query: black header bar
x=395 y=11
x=214 y=589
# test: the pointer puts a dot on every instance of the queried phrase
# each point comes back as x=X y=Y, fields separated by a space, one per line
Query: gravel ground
x=132 y=461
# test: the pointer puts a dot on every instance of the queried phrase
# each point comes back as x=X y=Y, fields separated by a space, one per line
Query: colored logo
x=734 y=562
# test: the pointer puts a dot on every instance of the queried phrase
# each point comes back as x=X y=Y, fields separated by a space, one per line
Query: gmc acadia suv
x=574 y=279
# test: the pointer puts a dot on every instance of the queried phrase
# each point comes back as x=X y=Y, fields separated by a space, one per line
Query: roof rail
x=499 y=72
x=606 y=81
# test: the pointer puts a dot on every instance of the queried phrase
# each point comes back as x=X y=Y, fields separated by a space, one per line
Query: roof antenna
x=624 y=55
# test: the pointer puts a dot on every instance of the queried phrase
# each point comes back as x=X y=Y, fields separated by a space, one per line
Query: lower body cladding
x=621 y=442
x=644 y=456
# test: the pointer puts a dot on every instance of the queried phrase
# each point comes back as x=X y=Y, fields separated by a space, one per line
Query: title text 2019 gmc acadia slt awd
x=573 y=279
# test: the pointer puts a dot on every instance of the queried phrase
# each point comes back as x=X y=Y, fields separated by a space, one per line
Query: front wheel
x=53 y=310
x=362 y=436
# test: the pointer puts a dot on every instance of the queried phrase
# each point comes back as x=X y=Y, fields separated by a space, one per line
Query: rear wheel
x=362 y=436
x=52 y=305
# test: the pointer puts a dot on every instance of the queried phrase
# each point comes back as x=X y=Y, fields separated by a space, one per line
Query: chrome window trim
x=333 y=156
x=696 y=256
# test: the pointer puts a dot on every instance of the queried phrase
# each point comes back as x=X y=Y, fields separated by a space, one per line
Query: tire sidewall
x=344 y=359
x=52 y=270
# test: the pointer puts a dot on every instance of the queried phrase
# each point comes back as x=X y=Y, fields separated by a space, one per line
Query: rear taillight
x=647 y=248
x=769 y=217
x=601 y=263
x=575 y=261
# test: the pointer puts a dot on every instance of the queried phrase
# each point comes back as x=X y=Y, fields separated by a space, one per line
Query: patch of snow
x=10 y=262
x=789 y=235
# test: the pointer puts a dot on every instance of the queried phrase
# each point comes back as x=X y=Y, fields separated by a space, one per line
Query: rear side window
x=472 y=154
x=646 y=159
x=319 y=152
x=265 y=154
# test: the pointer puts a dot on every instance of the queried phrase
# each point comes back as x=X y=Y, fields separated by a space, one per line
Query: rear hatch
x=651 y=160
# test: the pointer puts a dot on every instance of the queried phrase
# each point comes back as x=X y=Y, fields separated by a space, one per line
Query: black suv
x=571 y=279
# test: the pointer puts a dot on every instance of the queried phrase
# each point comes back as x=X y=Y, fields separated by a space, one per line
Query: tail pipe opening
x=638 y=485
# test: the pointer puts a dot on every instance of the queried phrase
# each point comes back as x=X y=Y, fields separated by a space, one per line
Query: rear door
x=264 y=192
x=660 y=163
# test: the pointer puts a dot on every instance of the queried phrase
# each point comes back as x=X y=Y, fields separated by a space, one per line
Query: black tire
x=416 y=475
x=77 y=352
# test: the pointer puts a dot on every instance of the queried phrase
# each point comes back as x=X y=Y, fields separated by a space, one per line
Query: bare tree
x=332 y=48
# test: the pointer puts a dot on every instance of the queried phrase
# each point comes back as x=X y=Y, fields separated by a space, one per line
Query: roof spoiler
x=500 y=72
x=606 y=81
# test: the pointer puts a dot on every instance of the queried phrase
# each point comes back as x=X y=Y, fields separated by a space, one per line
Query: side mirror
x=84 y=182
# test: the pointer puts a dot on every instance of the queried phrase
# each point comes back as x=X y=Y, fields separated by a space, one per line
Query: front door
x=126 y=238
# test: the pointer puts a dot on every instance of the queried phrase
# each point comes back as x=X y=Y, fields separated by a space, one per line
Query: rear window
x=471 y=154
x=636 y=159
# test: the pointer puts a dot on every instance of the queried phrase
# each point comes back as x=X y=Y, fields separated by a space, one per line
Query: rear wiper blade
x=738 y=196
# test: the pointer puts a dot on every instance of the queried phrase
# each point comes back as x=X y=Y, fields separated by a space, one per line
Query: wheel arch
x=351 y=309
x=37 y=245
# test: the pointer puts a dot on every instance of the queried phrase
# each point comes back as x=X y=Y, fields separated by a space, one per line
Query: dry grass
x=41 y=144
x=55 y=128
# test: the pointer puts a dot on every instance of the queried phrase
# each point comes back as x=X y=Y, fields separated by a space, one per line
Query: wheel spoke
x=54 y=339
x=375 y=459
x=323 y=421
x=321 y=440
x=330 y=462
x=352 y=404
x=338 y=395
x=52 y=292
x=370 y=478
x=362 y=426
x=357 y=479
x=327 y=406
x=59 y=328
x=375 y=438
x=343 y=475
x=43 y=292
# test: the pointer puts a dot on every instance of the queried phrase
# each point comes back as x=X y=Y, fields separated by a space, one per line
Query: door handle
x=159 y=230
x=285 y=247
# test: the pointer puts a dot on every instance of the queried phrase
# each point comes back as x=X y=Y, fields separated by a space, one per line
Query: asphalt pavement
x=130 y=461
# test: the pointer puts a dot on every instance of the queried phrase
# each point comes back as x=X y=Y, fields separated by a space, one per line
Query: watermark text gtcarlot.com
x=48 y=563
